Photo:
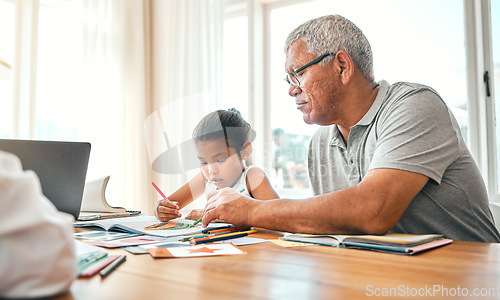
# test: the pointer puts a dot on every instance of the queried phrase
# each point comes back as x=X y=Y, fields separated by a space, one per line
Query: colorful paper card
x=99 y=235
x=197 y=250
x=243 y=241
x=284 y=243
x=131 y=241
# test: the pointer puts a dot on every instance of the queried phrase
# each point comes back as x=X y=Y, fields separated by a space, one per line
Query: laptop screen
x=60 y=166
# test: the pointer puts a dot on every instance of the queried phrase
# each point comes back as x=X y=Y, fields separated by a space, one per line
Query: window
x=66 y=109
x=419 y=49
x=235 y=64
x=58 y=94
x=6 y=63
x=495 y=78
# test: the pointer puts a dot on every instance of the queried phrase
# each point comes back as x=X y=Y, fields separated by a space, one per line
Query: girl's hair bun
x=227 y=124
x=234 y=110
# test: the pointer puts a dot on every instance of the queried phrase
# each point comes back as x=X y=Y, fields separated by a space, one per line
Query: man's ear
x=345 y=66
x=246 y=151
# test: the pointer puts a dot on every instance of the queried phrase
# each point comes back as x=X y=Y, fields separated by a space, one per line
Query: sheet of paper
x=166 y=245
x=242 y=241
x=197 y=250
x=136 y=250
x=167 y=242
x=99 y=235
x=143 y=249
x=284 y=243
x=130 y=241
x=82 y=249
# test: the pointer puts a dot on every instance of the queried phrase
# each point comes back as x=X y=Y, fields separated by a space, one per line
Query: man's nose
x=293 y=91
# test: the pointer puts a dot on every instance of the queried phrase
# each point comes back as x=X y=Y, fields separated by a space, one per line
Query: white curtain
x=117 y=90
x=187 y=56
x=144 y=58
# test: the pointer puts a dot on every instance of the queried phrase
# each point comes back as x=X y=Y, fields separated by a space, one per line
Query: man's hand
x=167 y=210
x=229 y=206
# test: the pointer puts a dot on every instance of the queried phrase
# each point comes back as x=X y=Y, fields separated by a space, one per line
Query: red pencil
x=159 y=191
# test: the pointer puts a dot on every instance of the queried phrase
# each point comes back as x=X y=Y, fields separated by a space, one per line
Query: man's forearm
x=312 y=215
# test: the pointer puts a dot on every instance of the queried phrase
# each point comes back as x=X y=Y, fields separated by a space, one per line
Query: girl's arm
x=259 y=186
x=166 y=211
x=189 y=191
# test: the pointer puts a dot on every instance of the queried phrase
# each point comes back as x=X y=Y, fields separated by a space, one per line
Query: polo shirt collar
x=337 y=139
x=372 y=112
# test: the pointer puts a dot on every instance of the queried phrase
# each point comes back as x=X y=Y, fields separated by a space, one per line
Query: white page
x=82 y=249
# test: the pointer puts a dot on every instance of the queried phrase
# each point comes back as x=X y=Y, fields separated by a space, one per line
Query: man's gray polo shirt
x=409 y=127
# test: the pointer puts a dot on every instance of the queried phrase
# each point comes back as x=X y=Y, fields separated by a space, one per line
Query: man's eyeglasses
x=292 y=79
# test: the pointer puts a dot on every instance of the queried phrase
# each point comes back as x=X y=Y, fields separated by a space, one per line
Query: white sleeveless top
x=239 y=186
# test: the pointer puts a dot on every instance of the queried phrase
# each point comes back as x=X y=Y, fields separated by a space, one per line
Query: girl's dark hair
x=224 y=124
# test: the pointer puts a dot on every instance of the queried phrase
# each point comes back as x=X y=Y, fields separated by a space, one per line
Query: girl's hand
x=167 y=211
x=195 y=214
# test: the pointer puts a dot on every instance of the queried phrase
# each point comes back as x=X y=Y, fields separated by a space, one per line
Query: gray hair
x=333 y=33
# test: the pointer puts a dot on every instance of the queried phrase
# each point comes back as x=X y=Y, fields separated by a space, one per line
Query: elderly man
x=387 y=158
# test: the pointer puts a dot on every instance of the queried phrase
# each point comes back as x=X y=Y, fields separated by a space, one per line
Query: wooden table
x=270 y=271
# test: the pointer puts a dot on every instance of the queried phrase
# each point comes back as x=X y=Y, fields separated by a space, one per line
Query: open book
x=390 y=242
x=138 y=224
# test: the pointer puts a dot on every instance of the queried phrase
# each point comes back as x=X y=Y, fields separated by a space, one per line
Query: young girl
x=223 y=143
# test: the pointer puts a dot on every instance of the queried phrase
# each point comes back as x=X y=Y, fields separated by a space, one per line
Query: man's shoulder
x=406 y=85
x=412 y=97
x=403 y=89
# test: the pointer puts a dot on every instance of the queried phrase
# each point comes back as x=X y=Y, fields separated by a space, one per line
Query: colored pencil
x=91 y=261
x=232 y=228
x=112 y=266
x=197 y=221
x=221 y=237
x=159 y=191
x=199 y=236
x=194 y=237
x=99 y=265
x=224 y=234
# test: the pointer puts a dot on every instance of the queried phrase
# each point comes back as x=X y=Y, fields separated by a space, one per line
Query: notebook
x=399 y=243
x=61 y=167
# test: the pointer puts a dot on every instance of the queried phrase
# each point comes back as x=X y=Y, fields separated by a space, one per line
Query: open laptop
x=61 y=167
